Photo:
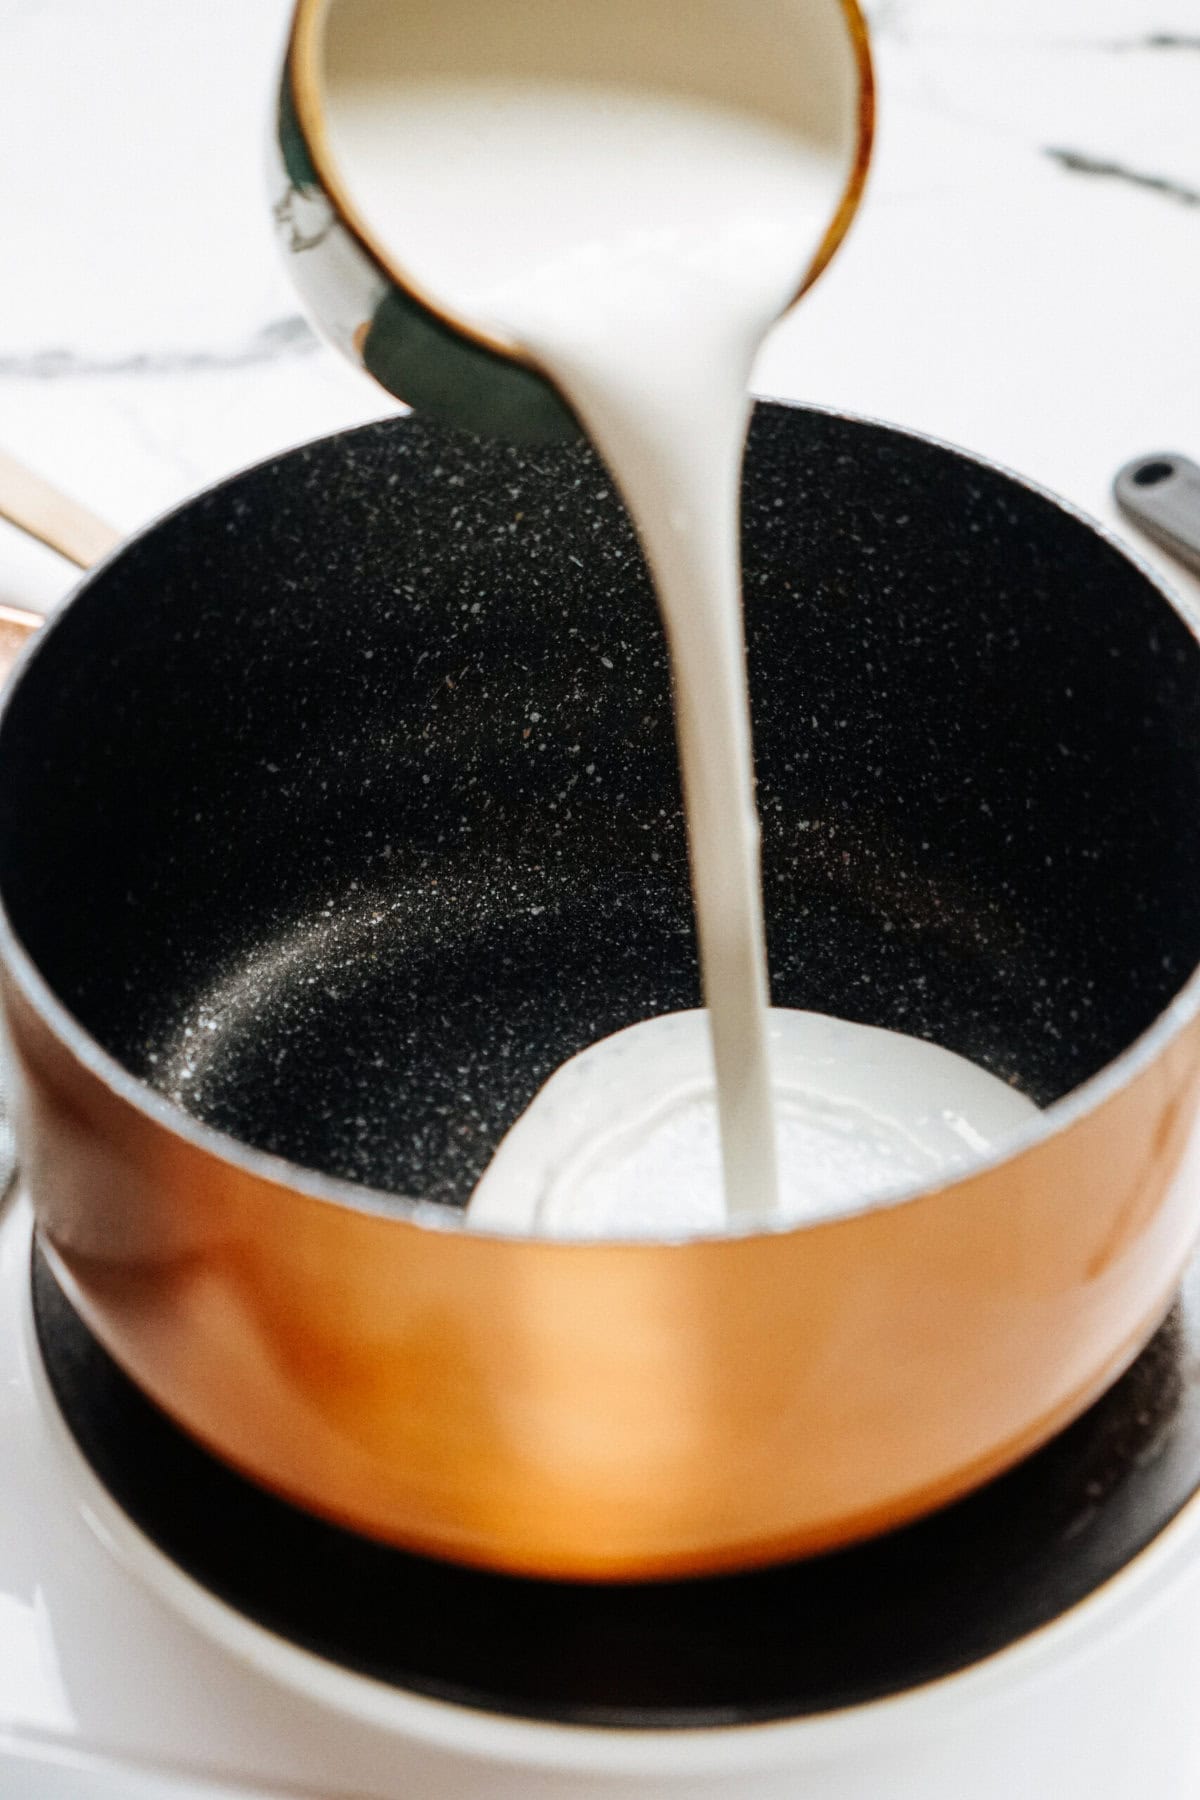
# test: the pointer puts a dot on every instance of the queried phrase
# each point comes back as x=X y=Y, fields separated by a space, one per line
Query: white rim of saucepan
x=1058 y=1117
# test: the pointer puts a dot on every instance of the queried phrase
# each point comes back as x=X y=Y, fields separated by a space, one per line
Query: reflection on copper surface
x=608 y=1411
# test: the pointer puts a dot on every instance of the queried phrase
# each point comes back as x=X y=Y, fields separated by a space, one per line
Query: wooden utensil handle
x=34 y=506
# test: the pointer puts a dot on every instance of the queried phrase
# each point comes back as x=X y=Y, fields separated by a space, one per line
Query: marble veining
x=286 y=337
x=1077 y=162
x=1158 y=40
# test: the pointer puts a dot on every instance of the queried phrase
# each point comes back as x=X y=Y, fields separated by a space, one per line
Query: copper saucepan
x=341 y=805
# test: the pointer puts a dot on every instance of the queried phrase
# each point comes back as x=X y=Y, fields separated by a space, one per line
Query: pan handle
x=38 y=509
x=1161 y=493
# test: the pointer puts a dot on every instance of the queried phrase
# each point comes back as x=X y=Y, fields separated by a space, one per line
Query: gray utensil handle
x=1161 y=493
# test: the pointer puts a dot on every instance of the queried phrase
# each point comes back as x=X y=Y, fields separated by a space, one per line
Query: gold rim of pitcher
x=302 y=71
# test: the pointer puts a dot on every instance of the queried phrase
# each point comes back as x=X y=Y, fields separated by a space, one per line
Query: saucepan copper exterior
x=594 y=1410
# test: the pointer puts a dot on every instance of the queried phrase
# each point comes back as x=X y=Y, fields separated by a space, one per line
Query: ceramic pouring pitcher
x=421 y=350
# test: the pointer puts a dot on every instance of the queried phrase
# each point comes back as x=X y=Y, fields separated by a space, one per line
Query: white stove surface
x=121 y=1679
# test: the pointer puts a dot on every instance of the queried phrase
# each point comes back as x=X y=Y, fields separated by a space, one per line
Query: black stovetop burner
x=779 y=1643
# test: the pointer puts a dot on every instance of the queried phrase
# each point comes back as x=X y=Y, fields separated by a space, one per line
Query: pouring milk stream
x=632 y=193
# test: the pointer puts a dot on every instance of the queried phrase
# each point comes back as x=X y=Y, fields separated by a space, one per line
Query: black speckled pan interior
x=349 y=800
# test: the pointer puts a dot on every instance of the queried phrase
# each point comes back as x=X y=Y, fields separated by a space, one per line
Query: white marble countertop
x=1024 y=277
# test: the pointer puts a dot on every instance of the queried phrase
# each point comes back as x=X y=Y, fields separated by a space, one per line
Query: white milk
x=631 y=191
x=622 y=1140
